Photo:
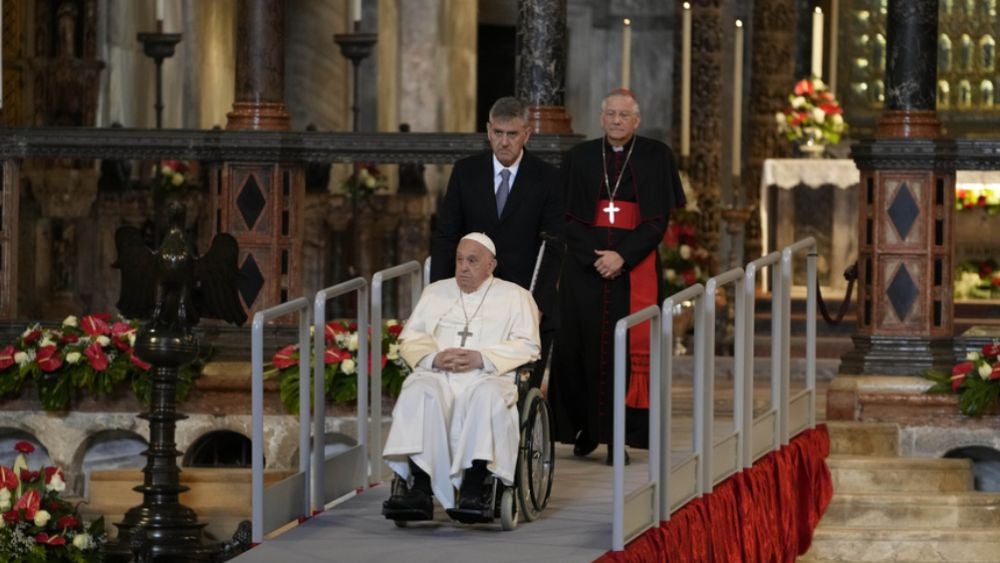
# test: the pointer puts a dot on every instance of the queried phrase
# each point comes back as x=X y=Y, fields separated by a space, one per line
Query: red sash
x=643 y=292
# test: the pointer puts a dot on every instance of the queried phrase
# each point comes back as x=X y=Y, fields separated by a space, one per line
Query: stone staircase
x=888 y=508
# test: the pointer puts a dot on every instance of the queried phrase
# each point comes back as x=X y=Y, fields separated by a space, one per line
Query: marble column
x=260 y=66
x=261 y=203
x=905 y=206
x=541 y=63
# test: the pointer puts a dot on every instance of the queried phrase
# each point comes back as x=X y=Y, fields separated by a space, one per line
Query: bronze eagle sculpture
x=173 y=287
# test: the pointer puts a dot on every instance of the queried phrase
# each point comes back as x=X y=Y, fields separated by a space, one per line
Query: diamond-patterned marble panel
x=904 y=210
x=902 y=292
x=251 y=201
x=251 y=280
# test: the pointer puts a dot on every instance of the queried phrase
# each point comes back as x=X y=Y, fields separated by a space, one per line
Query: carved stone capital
x=62 y=193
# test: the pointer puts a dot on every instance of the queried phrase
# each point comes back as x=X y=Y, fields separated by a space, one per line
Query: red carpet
x=766 y=513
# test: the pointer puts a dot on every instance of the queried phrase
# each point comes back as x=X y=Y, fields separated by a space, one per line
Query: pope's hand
x=458 y=360
x=609 y=264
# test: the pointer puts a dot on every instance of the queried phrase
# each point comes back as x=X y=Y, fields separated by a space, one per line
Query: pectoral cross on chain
x=611 y=209
x=464 y=333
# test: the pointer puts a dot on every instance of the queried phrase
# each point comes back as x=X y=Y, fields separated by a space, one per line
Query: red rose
x=98 y=359
x=7 y=356
x=94 y=325
x=334 y=355
x=48 y=359
x=286 y=357
x=68 y=521
x=803 y=87
x=395 y=330
x=24 y=447
x=50 y=540
x=689 y=277
x=8 y=480
x=139 y=363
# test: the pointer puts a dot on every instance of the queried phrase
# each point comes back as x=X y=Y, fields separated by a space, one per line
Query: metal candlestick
x=357 y=47
x=159 y=46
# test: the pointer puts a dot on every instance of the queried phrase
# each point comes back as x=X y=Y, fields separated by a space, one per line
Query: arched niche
x=985 y=465
x=11 y=436
x=219 y=448
x=108 y=450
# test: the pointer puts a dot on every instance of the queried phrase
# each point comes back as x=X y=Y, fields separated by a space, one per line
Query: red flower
x=68 y=521
x=141 y=364
x=286 y=357
x=395 y=330
x=28 y=475
x=981 y=202
x=352 y=326
x=8 y=480
x=52 y=471
x=29 y=502
x=95 y=325
x=991 y=350
x=50 y=540
x=333 y=328
x=24 y=447
x=32 y=336
x=689 y=277
x=48 y=359
x=803 y=87
x=69 y=338
x=995 y=374
x=985 y=270
x=98 y=359
x=11 y=516
x=962 y=368
x=335 y=354
x=7 y=356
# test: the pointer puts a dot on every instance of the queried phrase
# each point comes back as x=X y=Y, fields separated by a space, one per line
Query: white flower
x=21 y=358
x=685 y=252
x=352 y=343
x=166 y=170
x=818 y=115
x=42 y=518
x=348 y=366
x=818 y=84
x=2 y=523
x=393 y=353
x=798 y=102
x=56 y=483
x=131 y=338
x=177 y=179
x=45 y=341
x=73 y=357
x=103 y=340
x=391 y=322
x=985 y=370
x=70 y=321
x=838 y=120
x=972 y=356
x=669 y=274
x=83 y=541
x=29 y=330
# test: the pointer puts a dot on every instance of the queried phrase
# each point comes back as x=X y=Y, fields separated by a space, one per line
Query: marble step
x=914 y=510
x=863 y=474
x=918 y=544
x=863 y=438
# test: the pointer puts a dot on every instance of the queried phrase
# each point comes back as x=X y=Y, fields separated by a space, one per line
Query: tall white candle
x=817 y=43
x=686 y=79
x=626 y=52
x=159 y=10
x=737 y=97
x=356 y=10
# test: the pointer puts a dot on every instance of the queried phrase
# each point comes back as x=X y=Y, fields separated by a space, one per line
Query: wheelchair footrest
x=471 y=516
x=406 y=514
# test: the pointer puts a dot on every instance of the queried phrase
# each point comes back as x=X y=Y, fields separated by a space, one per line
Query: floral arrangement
x=976 y=380
x=986 y=198
x=977 y=280
x=341 y=364
x=172 y=178
x=685 y=262
x=812 y=114
x=36 y=525
x=93 y=353
x=365 y=181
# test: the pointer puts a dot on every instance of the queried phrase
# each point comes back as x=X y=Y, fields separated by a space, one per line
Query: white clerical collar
x=482 y=287
x=497 y=167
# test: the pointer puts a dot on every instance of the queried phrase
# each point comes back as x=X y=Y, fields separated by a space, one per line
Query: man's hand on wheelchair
x=458 y=360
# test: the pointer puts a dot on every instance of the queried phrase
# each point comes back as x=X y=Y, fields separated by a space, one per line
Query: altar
x=818 y=198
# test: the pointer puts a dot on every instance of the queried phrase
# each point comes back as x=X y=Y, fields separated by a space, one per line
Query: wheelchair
x=535 y=466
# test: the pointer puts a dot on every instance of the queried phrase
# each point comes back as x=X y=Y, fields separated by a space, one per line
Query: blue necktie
x=503 y=190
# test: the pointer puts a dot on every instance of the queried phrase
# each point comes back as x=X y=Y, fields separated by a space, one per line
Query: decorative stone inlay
x=251 y=202
x=251 y=280
x=904 y=210
x=902 y=292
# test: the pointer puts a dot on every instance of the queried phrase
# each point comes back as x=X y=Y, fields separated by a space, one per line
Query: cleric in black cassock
x=619 y=192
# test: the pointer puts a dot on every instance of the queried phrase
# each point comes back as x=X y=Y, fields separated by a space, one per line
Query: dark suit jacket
x=533 y=207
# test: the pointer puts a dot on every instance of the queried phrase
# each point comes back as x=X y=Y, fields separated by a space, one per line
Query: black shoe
x=414 y=505
x=473 y=506
x=584 y=445
x=610 y=459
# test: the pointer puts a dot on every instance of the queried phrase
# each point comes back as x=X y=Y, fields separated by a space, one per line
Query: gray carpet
x=576 y=526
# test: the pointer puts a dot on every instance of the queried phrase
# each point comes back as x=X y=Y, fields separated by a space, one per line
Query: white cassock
x=444 y=420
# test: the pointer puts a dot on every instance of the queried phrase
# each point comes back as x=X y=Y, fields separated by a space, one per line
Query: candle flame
x=739 y=23
x=628 y=21
x=818 y=10
x=687 y=6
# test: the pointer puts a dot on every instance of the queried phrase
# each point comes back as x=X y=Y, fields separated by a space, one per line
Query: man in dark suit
x=513 y=197
x=507 y=193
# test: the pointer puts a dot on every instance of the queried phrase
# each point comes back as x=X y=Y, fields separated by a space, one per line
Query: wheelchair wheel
x=536 y=459
x=508 y=510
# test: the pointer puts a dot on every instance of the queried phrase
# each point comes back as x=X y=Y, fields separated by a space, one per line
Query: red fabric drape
x=766 y=513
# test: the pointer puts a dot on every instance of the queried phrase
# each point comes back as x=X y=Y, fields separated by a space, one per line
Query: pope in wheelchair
x=456 y=422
